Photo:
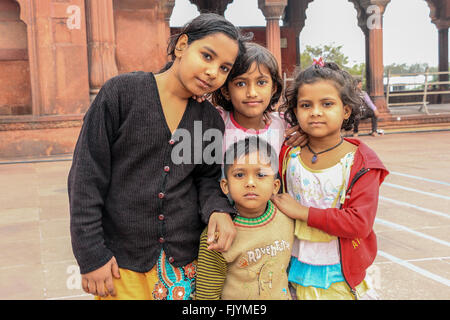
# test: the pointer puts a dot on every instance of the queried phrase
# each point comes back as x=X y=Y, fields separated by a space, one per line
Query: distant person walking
x=367 y=110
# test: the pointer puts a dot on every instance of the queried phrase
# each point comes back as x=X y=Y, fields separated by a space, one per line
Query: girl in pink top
x=248 y=98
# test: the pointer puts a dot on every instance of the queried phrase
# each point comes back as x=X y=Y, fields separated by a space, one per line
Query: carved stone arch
x=361 y=7
x=295 y=14
x=432 y=7
x=360 y=14
x=23 y=11
x=438 y=13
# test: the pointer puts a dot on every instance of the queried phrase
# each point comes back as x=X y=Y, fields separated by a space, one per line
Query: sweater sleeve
x=208 y=174
x=88 y=184
x=211 y=272
x=357 y=218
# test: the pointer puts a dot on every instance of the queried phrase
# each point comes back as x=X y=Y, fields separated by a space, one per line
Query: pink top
x=273 y=133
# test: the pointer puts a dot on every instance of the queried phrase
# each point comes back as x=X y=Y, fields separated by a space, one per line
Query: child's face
x=251 y=92
x=250 y=183
x=204 y=64
x=320 y=111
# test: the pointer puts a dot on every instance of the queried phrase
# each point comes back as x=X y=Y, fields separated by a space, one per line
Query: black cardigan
x=128 y=199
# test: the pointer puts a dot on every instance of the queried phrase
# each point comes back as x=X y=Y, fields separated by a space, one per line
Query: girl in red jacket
x=332 y=188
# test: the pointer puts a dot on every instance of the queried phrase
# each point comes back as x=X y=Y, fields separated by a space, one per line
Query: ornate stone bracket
x=272 y=9
x=217 y=6
x=438 y=10
x=295 y=14
x=367 y=18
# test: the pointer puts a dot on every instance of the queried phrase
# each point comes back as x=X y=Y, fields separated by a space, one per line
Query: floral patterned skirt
x=162 y=282
x=174 y=283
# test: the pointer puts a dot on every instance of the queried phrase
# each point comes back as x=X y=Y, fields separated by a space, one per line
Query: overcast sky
x=408 y=34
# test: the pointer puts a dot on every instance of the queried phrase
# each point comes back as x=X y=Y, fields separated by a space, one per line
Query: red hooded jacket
x=353 y=222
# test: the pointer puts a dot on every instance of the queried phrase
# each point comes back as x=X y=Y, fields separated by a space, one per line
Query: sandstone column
x=295 y=16
x=443 y=56
x=165 y=9
x=370 y=20
x=101 y=43
x=273 y=10
x=440 y=16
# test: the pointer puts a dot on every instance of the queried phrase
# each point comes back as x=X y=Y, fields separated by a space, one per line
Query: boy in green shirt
x=254 y=268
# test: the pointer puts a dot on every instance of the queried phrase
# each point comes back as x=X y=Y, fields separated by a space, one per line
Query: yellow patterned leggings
x=162 y=282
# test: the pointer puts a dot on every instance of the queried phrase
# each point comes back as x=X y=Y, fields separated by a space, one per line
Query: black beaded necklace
x=315 y=154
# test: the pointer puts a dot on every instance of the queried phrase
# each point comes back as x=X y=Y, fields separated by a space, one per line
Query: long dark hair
x=341 y=79
x=204 y=25
x=253 y=53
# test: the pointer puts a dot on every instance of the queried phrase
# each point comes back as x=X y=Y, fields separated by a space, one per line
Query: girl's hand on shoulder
x=290 y=207
x=295 y=137
x=266 y=118
x=221 y=232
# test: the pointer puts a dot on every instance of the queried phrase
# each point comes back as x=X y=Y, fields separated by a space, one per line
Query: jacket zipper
x=358 y=175
x=352 y=290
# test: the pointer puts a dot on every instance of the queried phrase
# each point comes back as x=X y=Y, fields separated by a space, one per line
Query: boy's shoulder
x=283 y=218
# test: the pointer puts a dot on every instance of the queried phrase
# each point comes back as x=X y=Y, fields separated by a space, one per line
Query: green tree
x=358 y=69
x=405 y=68
x=329 y=52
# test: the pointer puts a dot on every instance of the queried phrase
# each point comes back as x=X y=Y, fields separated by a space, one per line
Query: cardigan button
x=161 y=195
x=166 y=169
x=171 y=259
x=171 y=141
x=161 y=217
x=161 y=240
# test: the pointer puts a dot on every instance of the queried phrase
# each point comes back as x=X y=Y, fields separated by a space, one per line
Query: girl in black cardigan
x=137 y=211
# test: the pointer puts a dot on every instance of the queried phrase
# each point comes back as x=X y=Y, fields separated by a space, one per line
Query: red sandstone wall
x=288 y=54
x=15 y=87
x=140 y=36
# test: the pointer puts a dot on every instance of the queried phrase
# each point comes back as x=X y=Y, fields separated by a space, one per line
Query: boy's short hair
x=247 y=146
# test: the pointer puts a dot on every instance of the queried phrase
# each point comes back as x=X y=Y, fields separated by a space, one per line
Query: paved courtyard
x=412 y=226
